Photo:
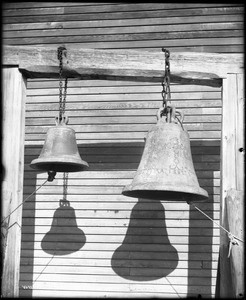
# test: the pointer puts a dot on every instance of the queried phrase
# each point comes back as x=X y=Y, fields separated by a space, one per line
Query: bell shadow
x=28 y=240
x=64 y=236
x=146 y=252
x=143 y=246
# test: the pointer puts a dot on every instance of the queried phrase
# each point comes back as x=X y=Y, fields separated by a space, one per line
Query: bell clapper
x=51 y=175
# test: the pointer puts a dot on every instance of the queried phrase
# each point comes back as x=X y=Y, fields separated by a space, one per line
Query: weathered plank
x=158 y=13
x=44 y=83
x=22 y=5
x=7 y=34
x=109 y=294
x=149 y=36
x=123 y=112
x=107 y=230
x=187 y=45
x=12 y=177
x=73 y=278
x=101 y=128
x=106 y=250
x=106 y=174
x=107 y=99
x=108 y=278
x=124 y=105
x=137 y=290
x=61 y=9
x=30 y=5
x=122 y=222
x=112 y=213
x=120 y=120
x=187 y=93
x=118 y=23
x=123 y=63
x=42 y=230
x=139 y=253
x=209 y=134
x=111 y=181
x=232 y=185
x=113 y=279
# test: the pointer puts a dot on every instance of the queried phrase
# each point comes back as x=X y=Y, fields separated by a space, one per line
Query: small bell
x=60 y=151
x=166 y=170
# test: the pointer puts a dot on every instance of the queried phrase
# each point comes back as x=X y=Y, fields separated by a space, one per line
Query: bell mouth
x=166 y=195
x=59 y=166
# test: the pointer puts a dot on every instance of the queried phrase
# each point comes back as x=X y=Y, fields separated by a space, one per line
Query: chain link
x=62 y=102
x=64 y=97
x=168 y=110
x=65 y=180
x=166 y=93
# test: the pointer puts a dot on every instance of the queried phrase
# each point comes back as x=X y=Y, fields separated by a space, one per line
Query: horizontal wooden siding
x=111 y=120
x=112 y=245
x=180 y=27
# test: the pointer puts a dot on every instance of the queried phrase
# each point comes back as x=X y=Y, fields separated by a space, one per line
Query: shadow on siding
x=137 y=259
x=64 y=236
x=149 y=254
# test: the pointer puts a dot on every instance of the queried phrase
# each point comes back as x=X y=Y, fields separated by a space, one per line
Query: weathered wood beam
x=13 y=137
x=232 y=187
x=191 y=67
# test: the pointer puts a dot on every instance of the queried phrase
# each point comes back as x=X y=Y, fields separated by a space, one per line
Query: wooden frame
x=225 y=70
x=13 y=136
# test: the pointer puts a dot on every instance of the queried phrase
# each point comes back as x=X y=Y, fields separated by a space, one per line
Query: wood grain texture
x=100 y=25
x=154 y=12
x=111 y=109
x=12 y=177
x=232 y=187
x=35 y=61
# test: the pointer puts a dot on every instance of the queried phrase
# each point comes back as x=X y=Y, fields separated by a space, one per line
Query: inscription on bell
x=166 y=170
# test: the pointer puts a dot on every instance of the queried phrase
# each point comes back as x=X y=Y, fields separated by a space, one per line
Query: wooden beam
x=12 y=177
x=186 y=68
x=232 y=187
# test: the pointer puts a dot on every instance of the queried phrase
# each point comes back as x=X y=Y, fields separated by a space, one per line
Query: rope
x=23 y=201
x=232 y=237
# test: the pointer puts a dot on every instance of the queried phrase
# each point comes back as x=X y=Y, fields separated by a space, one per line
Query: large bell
x=60 y=151
x=166 y=170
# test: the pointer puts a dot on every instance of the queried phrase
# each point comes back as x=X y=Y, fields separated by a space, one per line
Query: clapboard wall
x=109 y=245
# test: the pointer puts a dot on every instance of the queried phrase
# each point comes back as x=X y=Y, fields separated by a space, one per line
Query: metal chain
x=65 y=180
x=62 y=102
x=64 y=96
x=166 y=93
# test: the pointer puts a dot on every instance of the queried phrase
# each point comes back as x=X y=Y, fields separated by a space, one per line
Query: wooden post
x=232 y=187
x=13 y=126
